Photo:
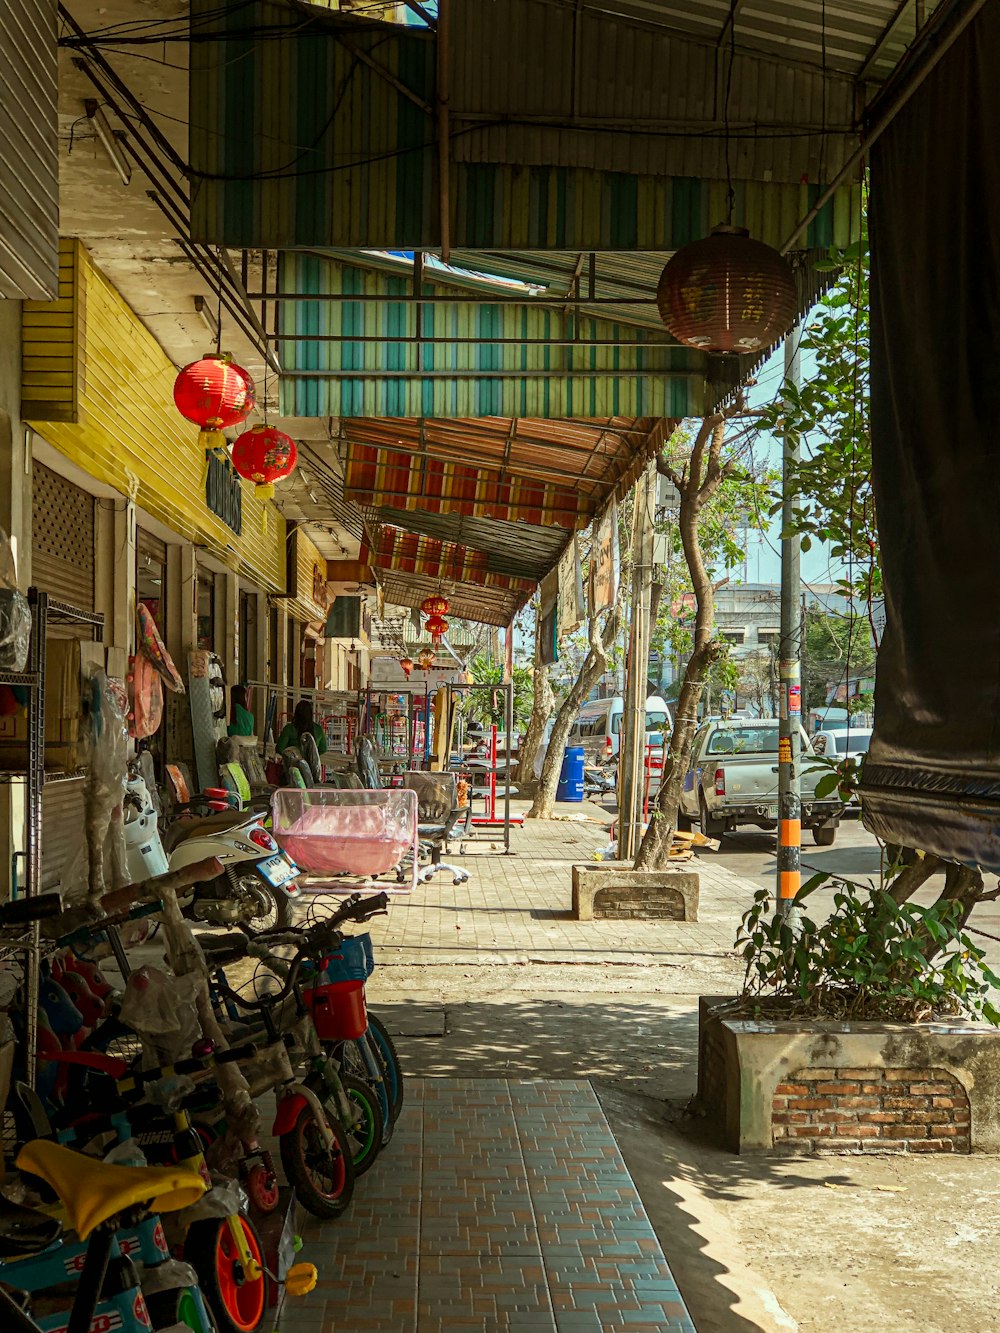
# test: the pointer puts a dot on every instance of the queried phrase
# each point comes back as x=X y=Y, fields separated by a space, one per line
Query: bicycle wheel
x=380 y=1035
x=181 y=1306
x=237 y=1303
x=366 y=1136
x=355 y=1056
x=323 y=1179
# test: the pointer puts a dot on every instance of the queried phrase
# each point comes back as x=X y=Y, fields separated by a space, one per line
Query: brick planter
x=824 y=1086
x=613 y=891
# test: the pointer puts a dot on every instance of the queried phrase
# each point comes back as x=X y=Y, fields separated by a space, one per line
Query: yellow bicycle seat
x=93 y=1192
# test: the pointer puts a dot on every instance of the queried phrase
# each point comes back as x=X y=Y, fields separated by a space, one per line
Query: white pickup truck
x=733 y=780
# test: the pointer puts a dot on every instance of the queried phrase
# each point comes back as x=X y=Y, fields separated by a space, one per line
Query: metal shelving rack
x=45 y=611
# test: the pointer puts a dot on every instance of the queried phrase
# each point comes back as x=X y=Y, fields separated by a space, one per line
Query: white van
x=599 y=727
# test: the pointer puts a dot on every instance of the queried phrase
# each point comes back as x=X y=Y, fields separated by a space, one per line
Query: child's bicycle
x=99 y=1281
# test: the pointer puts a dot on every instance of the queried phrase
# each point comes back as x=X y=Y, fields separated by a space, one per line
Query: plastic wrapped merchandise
x=15 y=614
x=107 y=764
x=163 y=1010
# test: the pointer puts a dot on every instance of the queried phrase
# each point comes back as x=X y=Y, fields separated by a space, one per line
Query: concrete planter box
x=824 y=1086
x=612 y=890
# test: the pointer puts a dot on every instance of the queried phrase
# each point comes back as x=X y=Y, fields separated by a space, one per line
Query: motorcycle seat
x=24 y=1231
x=94 y=1192
x=184 y=829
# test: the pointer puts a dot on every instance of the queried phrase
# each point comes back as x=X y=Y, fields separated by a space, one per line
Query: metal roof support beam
x=882 y=38
x=898 y=100
x=459 y=298
x=404 y=338
x=585 y=373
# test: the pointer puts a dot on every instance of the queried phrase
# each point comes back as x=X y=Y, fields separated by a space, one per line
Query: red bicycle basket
x=338 y=1010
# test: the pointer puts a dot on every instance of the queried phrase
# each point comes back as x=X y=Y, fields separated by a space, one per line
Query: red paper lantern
x=407 y=664
x=435 y=606
x=264 y=455
x=215 y=393
x=727 y=293
x=438 y=627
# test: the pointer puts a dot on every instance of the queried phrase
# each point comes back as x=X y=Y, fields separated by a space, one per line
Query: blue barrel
x=570 y=786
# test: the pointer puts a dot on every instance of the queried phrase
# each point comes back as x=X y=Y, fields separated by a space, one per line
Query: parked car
x=598 y=728
x=851 y=743
x=733 y=781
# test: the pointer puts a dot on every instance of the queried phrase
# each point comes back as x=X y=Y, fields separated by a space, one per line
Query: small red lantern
x=264 y=455
x=438 y=627
x=727 y=293
x=435 y=606
x=407 y=664
x=215 y=393
x=426 y=658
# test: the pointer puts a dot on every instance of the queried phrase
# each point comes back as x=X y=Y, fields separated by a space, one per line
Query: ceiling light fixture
x=111 y=139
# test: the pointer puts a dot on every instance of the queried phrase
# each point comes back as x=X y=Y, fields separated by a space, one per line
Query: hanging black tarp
x=932 y=778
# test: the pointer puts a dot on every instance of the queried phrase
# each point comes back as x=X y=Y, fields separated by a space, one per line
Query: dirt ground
x=819 y=1244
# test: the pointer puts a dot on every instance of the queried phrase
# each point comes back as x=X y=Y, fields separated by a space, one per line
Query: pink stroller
x=337 y=836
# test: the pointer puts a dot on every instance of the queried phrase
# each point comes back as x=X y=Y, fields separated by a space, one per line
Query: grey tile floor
x=499 y=1205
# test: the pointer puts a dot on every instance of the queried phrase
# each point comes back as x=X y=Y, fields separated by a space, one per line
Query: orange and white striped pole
x=790 y=685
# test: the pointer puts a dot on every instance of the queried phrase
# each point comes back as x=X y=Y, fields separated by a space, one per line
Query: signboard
x=571 y=608
x=603 y=562
x=223 y=492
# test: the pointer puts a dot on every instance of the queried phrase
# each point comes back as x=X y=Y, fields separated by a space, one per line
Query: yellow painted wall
x=306 y=563
x=99 y=388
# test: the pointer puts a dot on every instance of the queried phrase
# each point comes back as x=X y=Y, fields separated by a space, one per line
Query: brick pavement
x=499 y=1205
x=515 y=909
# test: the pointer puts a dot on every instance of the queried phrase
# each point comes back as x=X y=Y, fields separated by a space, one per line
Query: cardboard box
x=65 y=662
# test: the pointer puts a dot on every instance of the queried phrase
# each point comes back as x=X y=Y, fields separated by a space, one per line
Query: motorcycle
x=258 y=883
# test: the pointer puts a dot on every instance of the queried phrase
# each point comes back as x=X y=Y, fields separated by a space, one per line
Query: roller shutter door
x=62 y=538
x=62 y=564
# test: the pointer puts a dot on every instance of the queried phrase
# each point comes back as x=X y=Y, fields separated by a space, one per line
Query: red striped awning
x=399 y=480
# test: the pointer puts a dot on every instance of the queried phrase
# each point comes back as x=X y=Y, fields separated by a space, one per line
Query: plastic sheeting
x=932 y=776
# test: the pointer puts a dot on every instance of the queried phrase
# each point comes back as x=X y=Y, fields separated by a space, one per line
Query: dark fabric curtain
x=932 y=778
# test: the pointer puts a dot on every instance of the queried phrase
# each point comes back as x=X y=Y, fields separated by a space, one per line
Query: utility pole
x=790 y=675
x=633 y=740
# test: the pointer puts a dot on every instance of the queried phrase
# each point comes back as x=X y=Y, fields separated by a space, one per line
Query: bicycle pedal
x=301 y=1279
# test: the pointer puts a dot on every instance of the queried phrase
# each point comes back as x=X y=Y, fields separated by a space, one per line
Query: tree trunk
x=695 y=489
x=594 y=666
x=542 y=705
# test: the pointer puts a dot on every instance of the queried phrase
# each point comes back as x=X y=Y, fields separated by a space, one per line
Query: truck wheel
x=824 y=834
x=712 y=828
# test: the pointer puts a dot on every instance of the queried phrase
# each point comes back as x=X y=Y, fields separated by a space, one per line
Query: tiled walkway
x=499 y=1205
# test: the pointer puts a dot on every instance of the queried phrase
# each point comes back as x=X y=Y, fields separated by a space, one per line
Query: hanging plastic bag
x=15 y=614
x=145 y=685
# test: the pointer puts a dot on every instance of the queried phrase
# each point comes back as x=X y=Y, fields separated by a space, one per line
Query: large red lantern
x=727 y=293
x=438 y=627
x=215 y=393
x=264 y=455
x=435 y=606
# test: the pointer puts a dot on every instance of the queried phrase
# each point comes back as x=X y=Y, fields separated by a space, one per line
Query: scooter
x=258 y=883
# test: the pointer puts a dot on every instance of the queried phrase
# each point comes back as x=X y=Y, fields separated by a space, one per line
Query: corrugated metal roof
x=523 y=550
x=344 y=356
x=29 y=151
x=846 y=35
x=350 y=120
x=488 y=606
x=538 y=471
x=585 y=89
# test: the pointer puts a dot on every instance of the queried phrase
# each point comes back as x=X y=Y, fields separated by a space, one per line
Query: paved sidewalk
x=516 y=908
x=499 y=1205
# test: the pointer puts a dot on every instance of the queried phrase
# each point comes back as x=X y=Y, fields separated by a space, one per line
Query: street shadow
x=639 y=1056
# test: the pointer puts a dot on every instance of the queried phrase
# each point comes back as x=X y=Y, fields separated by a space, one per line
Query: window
x=657 y=722
x=744 y=740
x=151 y=577
x=734 y=636
x=206 y=611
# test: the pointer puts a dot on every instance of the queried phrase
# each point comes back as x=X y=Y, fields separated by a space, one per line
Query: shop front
x=125 y=508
